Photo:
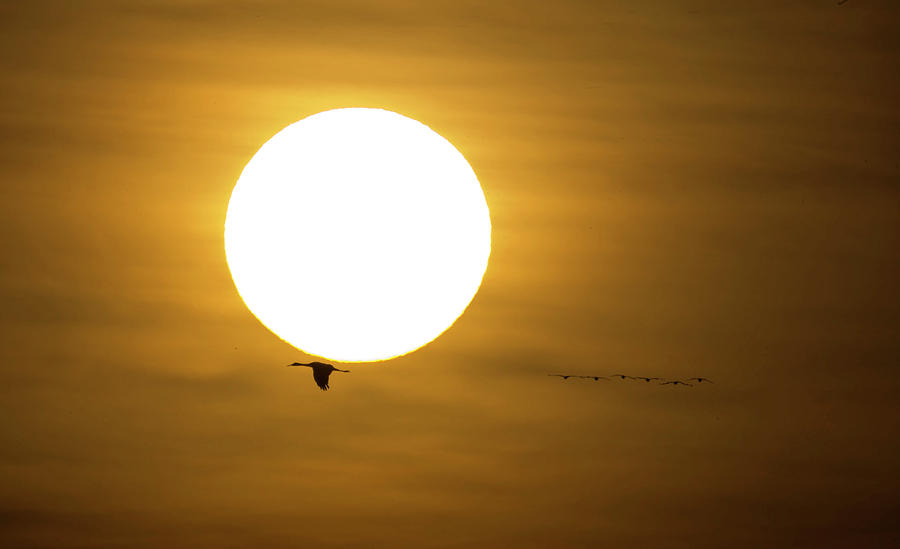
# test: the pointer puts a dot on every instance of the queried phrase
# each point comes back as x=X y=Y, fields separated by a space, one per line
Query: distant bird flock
x=690 y=382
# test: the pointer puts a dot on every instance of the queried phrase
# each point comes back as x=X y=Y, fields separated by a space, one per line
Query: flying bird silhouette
x=676 y=382
x=648 y=379
x=321 y=371
x=700 y=379
x=564 y=376
x=623 y=376
x=596 y=378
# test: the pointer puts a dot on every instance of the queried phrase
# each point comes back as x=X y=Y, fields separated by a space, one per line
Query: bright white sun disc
x=357 y=234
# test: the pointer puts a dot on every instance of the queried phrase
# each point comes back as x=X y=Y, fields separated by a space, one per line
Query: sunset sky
x=677 y=189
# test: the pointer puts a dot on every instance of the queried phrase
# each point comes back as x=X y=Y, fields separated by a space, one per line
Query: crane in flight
x=700 y=379
x=676 y=382
x=564 y=376
x=649 y=379
x=321 y=371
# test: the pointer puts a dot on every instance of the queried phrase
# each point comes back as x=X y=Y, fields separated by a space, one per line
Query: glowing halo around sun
x=357 y=234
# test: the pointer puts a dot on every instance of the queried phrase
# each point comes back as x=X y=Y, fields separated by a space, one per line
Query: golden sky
x=676 y=189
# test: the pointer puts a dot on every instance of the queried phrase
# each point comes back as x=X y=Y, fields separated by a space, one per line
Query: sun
x=357 y=234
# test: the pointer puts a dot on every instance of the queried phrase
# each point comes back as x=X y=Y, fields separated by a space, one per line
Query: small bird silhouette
x=623 y=376
x=649 y=379
x=564 y=376
x=676 y=382
x=596 y=378
x=700 y=379
x=321 y=371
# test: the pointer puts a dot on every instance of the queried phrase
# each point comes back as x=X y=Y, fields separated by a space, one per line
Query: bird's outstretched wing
x=321 y=377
